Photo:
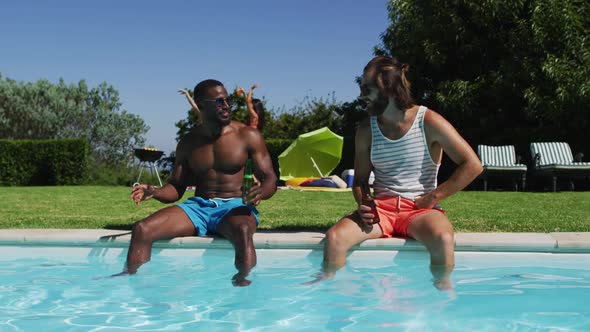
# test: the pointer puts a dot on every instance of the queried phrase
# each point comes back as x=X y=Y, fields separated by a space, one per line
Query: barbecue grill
x=147 y=159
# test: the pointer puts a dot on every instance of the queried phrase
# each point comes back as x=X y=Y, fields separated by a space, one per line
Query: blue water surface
x=64 y=289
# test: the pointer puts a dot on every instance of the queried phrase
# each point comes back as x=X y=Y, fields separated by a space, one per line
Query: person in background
x=259 y=110
x=211 y=157
x=403 y=144
x=255 y=107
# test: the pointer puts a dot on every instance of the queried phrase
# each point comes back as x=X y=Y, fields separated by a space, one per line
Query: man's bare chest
x=225 y=155
x=395 y=131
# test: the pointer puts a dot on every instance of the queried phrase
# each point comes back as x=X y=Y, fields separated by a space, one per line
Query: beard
x=218 y=117
x=377 y=107
x=213 y=123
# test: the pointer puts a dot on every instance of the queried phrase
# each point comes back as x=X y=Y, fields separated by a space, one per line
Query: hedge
x=43 y=162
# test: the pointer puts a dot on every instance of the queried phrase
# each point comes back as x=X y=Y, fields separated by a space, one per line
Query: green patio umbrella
x=313 y=154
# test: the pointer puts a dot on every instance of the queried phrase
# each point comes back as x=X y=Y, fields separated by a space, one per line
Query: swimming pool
x=59 y=289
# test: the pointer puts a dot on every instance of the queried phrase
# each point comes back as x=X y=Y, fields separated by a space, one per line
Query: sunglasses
x=220 y=102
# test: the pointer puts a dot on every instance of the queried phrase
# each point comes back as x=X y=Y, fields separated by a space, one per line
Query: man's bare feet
x=240 y=280
x=318 y=277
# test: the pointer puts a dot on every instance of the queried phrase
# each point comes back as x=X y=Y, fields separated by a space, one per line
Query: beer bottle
x=248 y=180
x=369 y=201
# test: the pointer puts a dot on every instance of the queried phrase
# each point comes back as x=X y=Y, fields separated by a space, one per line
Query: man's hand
x=254 y=195
x=366 y=215
x=142 y=192
x=241 y=91
x=426 y=201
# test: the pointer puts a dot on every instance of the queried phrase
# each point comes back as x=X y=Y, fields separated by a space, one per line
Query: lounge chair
x=555 y=159
x=501 y=161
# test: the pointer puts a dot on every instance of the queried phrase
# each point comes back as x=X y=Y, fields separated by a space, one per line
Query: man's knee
x=141 y=230
x=444 y=239
x=442 y=248
x=334 y=238
x=242 y=231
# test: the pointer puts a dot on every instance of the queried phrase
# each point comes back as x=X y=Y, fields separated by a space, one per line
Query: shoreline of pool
x=558 y=242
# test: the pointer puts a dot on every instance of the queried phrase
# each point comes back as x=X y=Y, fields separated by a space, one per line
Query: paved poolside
x=559 y=242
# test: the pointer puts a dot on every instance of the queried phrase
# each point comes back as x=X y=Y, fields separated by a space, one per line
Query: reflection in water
x=376 y=290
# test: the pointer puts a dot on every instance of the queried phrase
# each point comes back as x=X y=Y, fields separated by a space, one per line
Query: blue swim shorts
x=206 y=214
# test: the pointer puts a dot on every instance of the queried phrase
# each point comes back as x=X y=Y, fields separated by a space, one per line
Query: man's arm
x=440 y=131
x=362 y=162
x=263 y=169
x=172 y=191
x=362 y=171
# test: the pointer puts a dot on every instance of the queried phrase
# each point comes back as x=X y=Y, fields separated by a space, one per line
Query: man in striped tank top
x=402 y=143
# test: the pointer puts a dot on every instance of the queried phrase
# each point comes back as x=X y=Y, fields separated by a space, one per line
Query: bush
x=43 y=162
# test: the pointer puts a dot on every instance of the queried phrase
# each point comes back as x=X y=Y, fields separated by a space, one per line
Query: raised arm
x=249 y=96
x=190 y=100
x=440 y=132
x=173 y=190
x=253 y=120
x=253 y=115
x=263 y=169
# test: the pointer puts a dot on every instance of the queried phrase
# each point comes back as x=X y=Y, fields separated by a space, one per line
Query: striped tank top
x=403 y=167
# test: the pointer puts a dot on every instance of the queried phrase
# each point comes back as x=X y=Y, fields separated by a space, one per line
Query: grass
x=470 y=211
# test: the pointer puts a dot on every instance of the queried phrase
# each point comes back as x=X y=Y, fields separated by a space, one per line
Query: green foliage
x=277 y=146
x=43 y=162
x=498 y=63
x=42 y=110
x=313 y=113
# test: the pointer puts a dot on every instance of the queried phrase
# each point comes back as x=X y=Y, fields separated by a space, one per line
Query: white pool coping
x=564 y=242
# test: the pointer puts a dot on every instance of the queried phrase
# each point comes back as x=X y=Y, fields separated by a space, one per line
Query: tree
x=42 y=110
x=497 y=64
x=313 y=113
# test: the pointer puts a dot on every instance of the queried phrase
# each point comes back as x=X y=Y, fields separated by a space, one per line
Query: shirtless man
x=211 y=157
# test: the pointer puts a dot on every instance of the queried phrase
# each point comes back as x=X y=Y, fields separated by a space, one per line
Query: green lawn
x=472 y=211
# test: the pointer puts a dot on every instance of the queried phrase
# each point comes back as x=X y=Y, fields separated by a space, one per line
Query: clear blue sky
x=149 y=49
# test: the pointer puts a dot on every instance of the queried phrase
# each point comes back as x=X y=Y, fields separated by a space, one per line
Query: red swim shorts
x=395 y=215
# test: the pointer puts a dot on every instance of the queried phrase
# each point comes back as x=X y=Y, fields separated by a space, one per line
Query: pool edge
x=557 y=242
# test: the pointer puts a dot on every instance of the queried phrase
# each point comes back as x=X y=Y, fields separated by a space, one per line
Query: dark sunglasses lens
x=220 y=102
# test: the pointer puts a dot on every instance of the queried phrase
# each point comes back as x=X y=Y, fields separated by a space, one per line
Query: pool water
x=62 y=289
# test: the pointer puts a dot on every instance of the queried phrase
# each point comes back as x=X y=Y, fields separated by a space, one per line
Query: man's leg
x=167 y=223
x=239 y=226
x=435 y=231
x=347 y=232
